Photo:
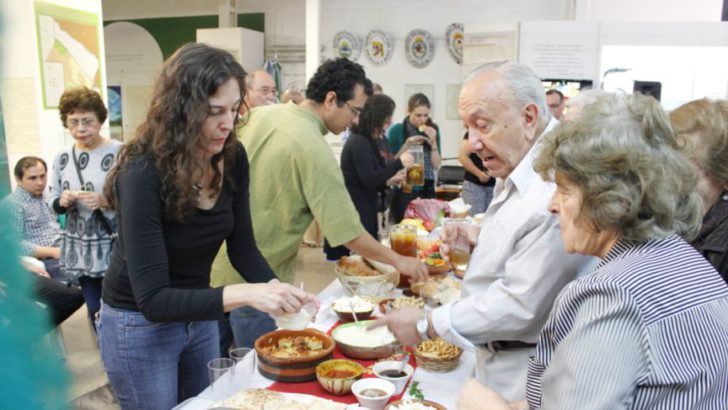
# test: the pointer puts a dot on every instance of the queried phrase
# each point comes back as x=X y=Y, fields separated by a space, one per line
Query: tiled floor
x=90 y=390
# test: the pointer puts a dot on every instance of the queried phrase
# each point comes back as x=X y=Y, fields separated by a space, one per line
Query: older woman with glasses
x=76 y=190
x=647 y=328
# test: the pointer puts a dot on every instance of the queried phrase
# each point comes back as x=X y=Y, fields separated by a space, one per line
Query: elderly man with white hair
x=519 y=263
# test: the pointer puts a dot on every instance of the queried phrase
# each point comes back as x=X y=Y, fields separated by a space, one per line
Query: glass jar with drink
x=416 y=172
x=403 y=240
x=456 y=231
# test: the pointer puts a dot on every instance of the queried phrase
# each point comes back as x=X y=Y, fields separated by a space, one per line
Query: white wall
x=30 y=128
x=652 y=10
x=285 y=25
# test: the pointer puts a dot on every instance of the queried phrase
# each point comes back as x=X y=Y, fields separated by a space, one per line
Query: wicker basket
x=437 y=365
x=375 y=287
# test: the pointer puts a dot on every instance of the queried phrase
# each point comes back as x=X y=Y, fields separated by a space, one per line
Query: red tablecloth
x=315 y=389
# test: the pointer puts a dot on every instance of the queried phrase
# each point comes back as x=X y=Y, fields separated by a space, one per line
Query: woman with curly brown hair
x=76 y=190
x=180 y=189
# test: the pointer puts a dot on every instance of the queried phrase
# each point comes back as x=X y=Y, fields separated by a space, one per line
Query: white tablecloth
x=442 y=388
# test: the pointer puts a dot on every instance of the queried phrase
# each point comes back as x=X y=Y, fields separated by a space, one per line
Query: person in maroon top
x=180 y=189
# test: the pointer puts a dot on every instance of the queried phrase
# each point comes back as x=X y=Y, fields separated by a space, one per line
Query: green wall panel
x=172 y=32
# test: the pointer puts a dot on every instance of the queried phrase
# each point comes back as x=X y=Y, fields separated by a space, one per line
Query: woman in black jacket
x=368 y=166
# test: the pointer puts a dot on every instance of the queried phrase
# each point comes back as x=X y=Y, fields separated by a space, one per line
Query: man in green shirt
x=294 y=177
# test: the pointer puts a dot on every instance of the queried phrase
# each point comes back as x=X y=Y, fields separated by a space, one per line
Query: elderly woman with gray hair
x=703 y=124
x=647 y=328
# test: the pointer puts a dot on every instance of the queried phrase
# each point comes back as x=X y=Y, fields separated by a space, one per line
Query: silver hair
x=628 y=166
x=524 y=84
x=250 y=78
x=584 y=98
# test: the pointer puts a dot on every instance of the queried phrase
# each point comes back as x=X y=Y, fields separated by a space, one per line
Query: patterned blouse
x=86 y=245
x=646 y=330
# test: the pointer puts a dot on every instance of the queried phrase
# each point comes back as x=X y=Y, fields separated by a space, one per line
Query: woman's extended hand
x=273 y=297
x=407 y=159
x=68 y=198
x=414 y=140
x=398 y=179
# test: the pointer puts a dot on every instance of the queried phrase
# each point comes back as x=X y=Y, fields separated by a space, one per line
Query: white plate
x=454 y=35
x=346 y=45
x=379 y=47
x=419 y=47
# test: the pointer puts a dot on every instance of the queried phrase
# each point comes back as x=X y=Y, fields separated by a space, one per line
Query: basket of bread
x=437 y=355
x=365 y=277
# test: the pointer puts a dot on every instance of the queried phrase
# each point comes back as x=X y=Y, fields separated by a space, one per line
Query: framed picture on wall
x=426 y=89
x=453 y=92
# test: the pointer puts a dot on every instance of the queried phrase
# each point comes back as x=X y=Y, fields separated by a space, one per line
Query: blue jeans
x=155 y=365
x=91 y=288
x=249 y=324
x=477 y=196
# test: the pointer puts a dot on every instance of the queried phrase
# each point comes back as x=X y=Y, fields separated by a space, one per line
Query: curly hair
x=375 y=112
x=340 y=76
x=82 y=99
x=703 y=124
x=629 y=167
x=172 y=131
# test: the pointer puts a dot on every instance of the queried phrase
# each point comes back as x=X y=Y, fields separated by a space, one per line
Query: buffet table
x=442 y=388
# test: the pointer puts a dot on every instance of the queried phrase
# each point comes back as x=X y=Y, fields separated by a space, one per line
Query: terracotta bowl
x=338 y=384
x=423 y=402
x=360 y=352
x=292 y=370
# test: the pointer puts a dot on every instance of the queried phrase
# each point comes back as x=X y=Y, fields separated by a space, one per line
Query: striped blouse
x=647 y=330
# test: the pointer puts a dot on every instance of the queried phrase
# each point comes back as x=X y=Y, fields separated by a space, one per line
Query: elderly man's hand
x=476 y=396
x=471 y=230
x=403 y=324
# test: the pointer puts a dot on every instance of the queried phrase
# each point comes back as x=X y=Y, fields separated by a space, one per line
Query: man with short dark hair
x=294 y=177
x=555 y=101
x=32 y=219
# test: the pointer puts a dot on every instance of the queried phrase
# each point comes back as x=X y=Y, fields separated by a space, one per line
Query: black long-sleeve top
x=161 y=267
x=365 y=174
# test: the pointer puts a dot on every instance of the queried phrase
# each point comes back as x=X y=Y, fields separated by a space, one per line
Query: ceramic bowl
x=375 y=403
x=435 y=406
x=337 y=376
x=291 y=370
x=364 y=351
x=399 y=382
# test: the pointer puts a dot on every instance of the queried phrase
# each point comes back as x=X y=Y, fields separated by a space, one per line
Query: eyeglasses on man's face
x=354 y=110
x=267 y=90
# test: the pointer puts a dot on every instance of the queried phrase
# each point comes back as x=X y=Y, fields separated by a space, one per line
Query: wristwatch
x=422 y=327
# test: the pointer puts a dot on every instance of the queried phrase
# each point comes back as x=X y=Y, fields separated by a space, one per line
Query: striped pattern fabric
x=647 y=330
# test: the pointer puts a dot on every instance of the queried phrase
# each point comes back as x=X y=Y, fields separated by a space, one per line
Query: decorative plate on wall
x=379 y=47
x=454 y=38
x=420 y=48
x=346 y=45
